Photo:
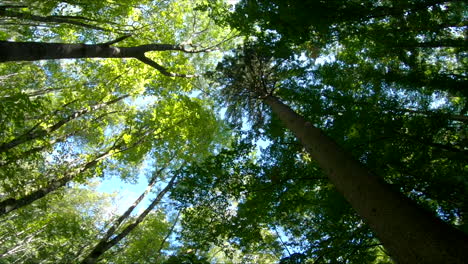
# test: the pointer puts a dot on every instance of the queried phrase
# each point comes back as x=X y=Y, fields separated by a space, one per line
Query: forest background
x=280 y=131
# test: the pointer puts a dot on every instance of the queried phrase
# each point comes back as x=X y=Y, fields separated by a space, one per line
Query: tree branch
x=171 y=230
x=161 y=69
x=116 y=40
x=13 y=6
x=48 y=19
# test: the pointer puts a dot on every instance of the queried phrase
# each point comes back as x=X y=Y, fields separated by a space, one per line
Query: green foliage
x=142 y=244
x=53 y=229
x=68 y=121
x=186 y=258
x=385 y=79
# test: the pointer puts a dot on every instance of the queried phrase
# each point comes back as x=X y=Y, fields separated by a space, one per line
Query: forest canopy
x=251 y=131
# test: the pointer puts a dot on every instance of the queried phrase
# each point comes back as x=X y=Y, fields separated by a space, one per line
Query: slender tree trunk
x=50 y=19
x=410 y=234
x=169 y=233
x=106 y=244
x=11 y=204
x=8 y=205
x=31 y=151
x=116 y=224
x=33 y=134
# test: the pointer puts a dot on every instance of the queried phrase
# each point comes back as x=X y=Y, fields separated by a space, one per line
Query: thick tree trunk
x=33 y=51
x=409 y=233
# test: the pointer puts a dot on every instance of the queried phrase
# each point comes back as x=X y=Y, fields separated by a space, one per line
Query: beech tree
x=31 y=51
x=66 y=123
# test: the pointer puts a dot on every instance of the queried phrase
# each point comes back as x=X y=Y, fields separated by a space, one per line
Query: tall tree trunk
x=411 y=234
x=106 y=244
x=33 y=51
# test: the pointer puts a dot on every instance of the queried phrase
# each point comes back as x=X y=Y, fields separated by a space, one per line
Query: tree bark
x=409 y=233
x=33 y=51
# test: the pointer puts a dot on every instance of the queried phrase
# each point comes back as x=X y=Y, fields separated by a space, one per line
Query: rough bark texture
x=409 y=233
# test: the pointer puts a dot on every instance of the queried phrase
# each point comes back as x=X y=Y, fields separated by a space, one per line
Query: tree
x=31 y=51
x=367 y=69
x=145 y=244
x=133 y=139
x=383 y=80
x=397 y=36
x=34 y=132
x=385 y=210
x=65 y=122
